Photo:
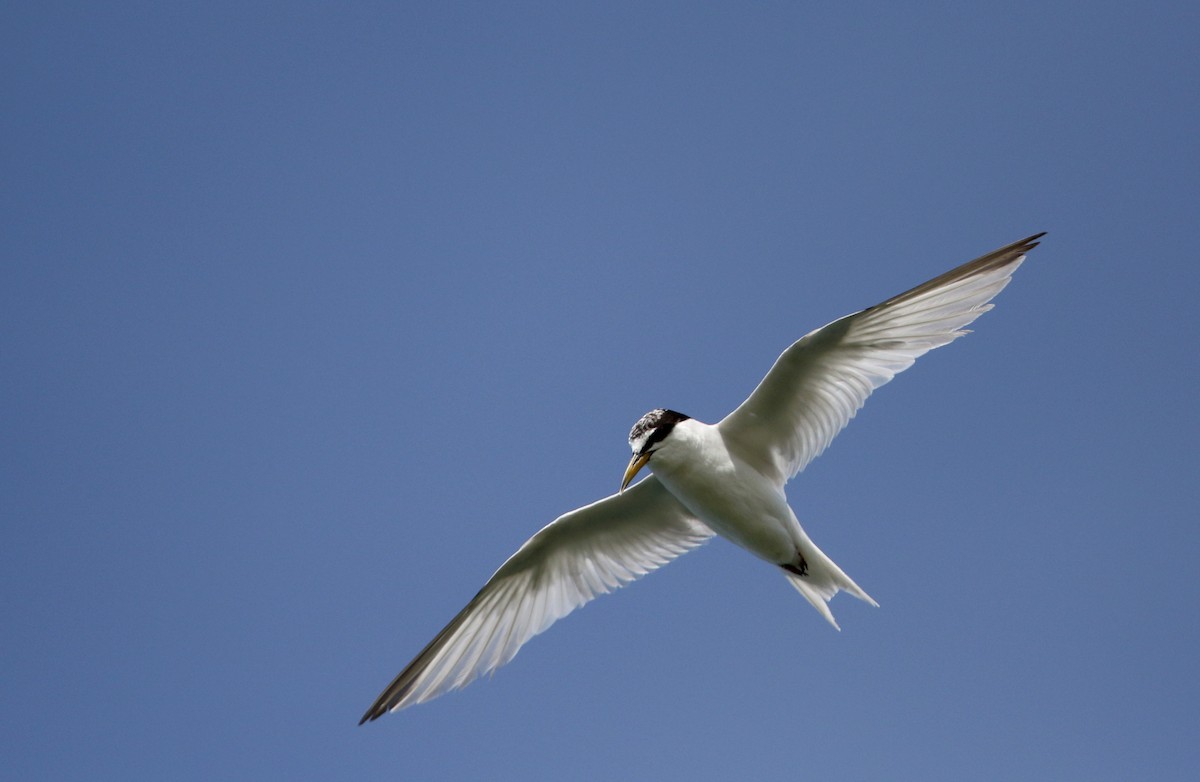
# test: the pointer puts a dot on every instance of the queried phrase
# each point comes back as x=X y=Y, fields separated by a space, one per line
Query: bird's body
x=733 y=499
x=726 y=478
x=737 y=501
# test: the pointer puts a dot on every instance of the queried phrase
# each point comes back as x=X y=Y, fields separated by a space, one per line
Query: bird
x=724 y=479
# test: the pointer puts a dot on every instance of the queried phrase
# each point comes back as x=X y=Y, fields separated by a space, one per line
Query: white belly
x=728 y=495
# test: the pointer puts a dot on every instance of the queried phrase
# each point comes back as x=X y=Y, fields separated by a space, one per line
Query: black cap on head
x=652 y=428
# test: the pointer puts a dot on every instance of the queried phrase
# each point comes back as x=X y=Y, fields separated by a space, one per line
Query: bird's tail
x=823 y=580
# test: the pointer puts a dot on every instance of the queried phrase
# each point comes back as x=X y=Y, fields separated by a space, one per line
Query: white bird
x=726 y=478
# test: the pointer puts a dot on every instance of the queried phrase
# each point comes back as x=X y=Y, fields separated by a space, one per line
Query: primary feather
x=580 y=555
x=822 y=380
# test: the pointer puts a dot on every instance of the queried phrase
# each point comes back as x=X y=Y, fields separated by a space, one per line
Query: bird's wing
x=821 y=381
x=587 y=552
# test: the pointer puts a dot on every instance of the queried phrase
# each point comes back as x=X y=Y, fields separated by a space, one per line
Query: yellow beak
x=635 y=464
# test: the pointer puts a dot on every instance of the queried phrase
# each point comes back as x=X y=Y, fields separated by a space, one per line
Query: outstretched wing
x=821 y=381
x=582 y=554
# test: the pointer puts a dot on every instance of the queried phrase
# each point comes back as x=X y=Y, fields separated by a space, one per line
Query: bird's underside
x=813 y=390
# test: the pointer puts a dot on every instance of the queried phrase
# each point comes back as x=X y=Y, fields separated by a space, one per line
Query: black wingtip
x=1032 y=241
x=375 y=712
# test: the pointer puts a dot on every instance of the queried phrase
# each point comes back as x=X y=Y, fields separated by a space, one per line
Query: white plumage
x=726 y=478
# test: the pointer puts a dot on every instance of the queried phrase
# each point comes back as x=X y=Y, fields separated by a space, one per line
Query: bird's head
x=647 y=436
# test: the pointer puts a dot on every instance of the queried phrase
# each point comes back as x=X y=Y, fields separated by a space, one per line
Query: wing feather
x=822 y=380
x=579 y=556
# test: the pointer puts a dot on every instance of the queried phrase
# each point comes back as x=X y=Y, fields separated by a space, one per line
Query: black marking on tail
x=800 y=569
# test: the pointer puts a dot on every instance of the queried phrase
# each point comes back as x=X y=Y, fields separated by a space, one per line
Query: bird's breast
x=728 y=495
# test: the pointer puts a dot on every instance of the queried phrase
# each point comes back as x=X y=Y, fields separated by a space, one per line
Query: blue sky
x=310 y=314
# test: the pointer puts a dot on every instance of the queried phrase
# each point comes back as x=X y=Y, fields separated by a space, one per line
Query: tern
x=726 y=478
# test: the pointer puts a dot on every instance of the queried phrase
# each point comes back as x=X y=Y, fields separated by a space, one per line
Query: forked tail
x=823 y=580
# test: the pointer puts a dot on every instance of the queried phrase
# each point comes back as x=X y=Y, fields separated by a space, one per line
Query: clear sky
x=311 y=313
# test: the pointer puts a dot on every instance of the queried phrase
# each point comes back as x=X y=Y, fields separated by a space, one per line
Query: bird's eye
x=654 y=440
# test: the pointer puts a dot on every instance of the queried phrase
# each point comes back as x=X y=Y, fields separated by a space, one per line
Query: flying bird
x=726 y=478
